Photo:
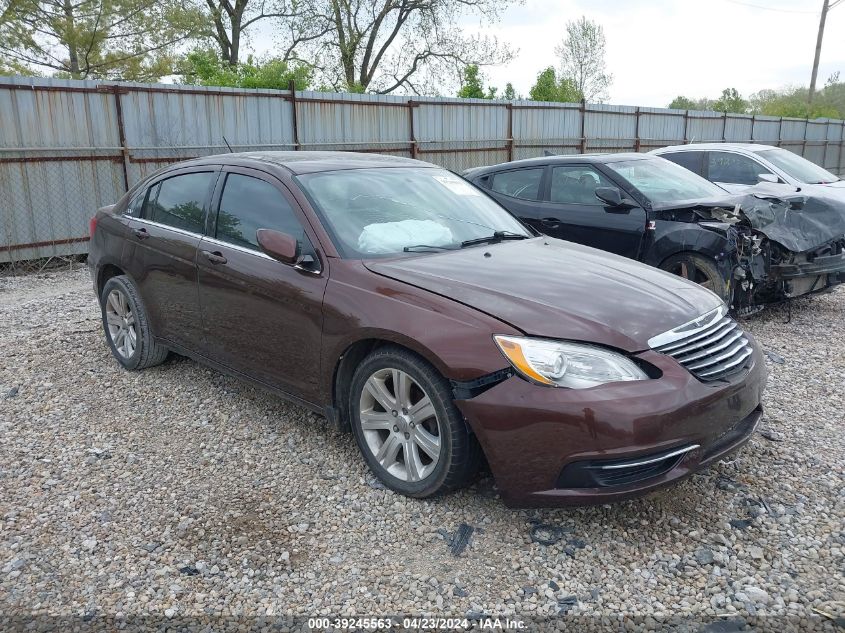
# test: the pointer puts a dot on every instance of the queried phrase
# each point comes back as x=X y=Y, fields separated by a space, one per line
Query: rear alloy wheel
x=699 y=269
x=407 y=427
x=121 y=324
x=127 y=327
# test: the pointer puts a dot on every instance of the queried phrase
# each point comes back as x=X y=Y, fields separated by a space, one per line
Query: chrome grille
x=711 y=347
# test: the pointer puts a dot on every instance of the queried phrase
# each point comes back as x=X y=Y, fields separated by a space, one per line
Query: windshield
x=663 y=182
x=382 y=212
x=799 y=168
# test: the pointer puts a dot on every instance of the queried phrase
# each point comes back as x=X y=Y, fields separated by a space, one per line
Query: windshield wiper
x=497 y=236
x=427 y=247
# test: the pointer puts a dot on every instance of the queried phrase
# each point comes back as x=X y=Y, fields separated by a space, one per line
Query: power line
x=757 y=6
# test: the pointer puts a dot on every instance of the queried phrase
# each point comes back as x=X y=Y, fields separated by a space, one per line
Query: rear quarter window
x=519 y=183
x=180 y=201
x=694 y=161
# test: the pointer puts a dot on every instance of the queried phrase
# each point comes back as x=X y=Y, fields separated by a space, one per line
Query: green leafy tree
x=411 y=45
x=510 y=93
x=549 y=88
x=582 y=54
x=95 y=39
x=206 y=68
x=731 y=101
x=828 y=102
x=682 y=103
x=472 y=86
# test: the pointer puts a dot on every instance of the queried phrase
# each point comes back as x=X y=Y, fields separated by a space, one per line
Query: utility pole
x=826 y=6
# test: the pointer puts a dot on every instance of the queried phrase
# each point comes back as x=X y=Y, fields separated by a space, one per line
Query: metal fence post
x=804 y=145
x=724 y=126
x=509 y=106
x=686 y=126
x=583 y=109
x=780 y=132
x=411 y=132
x=295 y=121
x=637 y=131
x=121 y=135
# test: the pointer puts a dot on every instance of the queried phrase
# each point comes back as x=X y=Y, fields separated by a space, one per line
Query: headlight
x=566 y=364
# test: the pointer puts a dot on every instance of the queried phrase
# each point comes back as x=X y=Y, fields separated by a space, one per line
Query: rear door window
x=519 y=183
x=180 y=201
x=694 y=161
x=249 y=204
x=733 y=168
x=576 y=184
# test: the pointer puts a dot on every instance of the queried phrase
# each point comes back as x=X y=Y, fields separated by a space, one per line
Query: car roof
x=562 y=159
x=748 y=147
x=306 y=162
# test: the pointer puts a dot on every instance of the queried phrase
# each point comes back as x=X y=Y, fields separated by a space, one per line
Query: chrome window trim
x=166 y=226
x=653 y=460
x=690 y=328
x=237 y=247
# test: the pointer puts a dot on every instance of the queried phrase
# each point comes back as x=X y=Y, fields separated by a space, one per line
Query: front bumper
x=832 y=265
x=545 y=445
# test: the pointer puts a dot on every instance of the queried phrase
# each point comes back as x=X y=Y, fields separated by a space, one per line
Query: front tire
x=699 y=269
x=127 y=327
x=407 y=427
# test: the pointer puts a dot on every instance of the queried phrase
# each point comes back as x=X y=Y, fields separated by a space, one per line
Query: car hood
x=557 y=289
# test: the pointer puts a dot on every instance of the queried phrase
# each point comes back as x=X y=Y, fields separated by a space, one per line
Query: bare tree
x=582 y=59
x=228 y=22
x=387 y=45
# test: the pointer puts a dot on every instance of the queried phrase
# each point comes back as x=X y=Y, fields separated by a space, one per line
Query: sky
x=659 y=49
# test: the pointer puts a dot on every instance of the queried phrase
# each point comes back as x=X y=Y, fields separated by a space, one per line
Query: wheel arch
x=355 y=351
x=688 y=239
x=106 y=272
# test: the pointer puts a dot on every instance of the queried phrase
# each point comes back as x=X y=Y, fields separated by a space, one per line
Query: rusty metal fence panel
x=68 y=147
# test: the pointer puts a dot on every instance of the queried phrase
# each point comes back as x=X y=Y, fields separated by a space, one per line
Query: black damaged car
x=749 y=249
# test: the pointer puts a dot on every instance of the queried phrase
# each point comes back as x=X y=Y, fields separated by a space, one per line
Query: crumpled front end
x=782 y=247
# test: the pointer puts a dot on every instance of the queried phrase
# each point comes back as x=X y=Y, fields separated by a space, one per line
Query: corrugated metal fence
x=68 y=147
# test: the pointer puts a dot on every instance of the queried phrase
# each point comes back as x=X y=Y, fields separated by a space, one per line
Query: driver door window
x=576 y=184
x=733 y=168
x=249 y=204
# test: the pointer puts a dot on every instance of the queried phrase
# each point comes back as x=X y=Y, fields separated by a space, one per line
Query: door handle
x=552 y=223
x=141 y=234
x=215 y=257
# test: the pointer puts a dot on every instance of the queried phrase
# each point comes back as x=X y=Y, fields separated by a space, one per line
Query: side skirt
x=223 y=369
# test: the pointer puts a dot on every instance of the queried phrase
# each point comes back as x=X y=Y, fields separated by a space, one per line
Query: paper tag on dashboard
x=456 y=185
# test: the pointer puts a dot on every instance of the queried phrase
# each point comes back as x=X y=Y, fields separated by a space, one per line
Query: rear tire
x=699 y=269
x=408 y=429
x=127 y=326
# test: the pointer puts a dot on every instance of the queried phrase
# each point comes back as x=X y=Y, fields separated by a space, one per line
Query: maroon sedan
x=402 y=302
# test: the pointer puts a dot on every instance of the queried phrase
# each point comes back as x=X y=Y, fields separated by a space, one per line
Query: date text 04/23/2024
x=416 y=624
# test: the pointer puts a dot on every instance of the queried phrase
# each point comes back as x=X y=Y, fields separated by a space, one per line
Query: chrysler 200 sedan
x=402 y=302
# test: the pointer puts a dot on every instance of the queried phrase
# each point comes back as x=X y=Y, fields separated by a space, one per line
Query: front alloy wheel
x=699 y=269
x=400 y=425
x=407 y=426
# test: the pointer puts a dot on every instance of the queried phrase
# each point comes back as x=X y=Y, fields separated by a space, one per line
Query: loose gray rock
x=279 y=516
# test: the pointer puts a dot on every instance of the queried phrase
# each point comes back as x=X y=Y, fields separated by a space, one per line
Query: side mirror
x=277 y=245
x=768 y=178
x=610 y=195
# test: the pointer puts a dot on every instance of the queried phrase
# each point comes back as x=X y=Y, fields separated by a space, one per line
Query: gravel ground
x=179 y=492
